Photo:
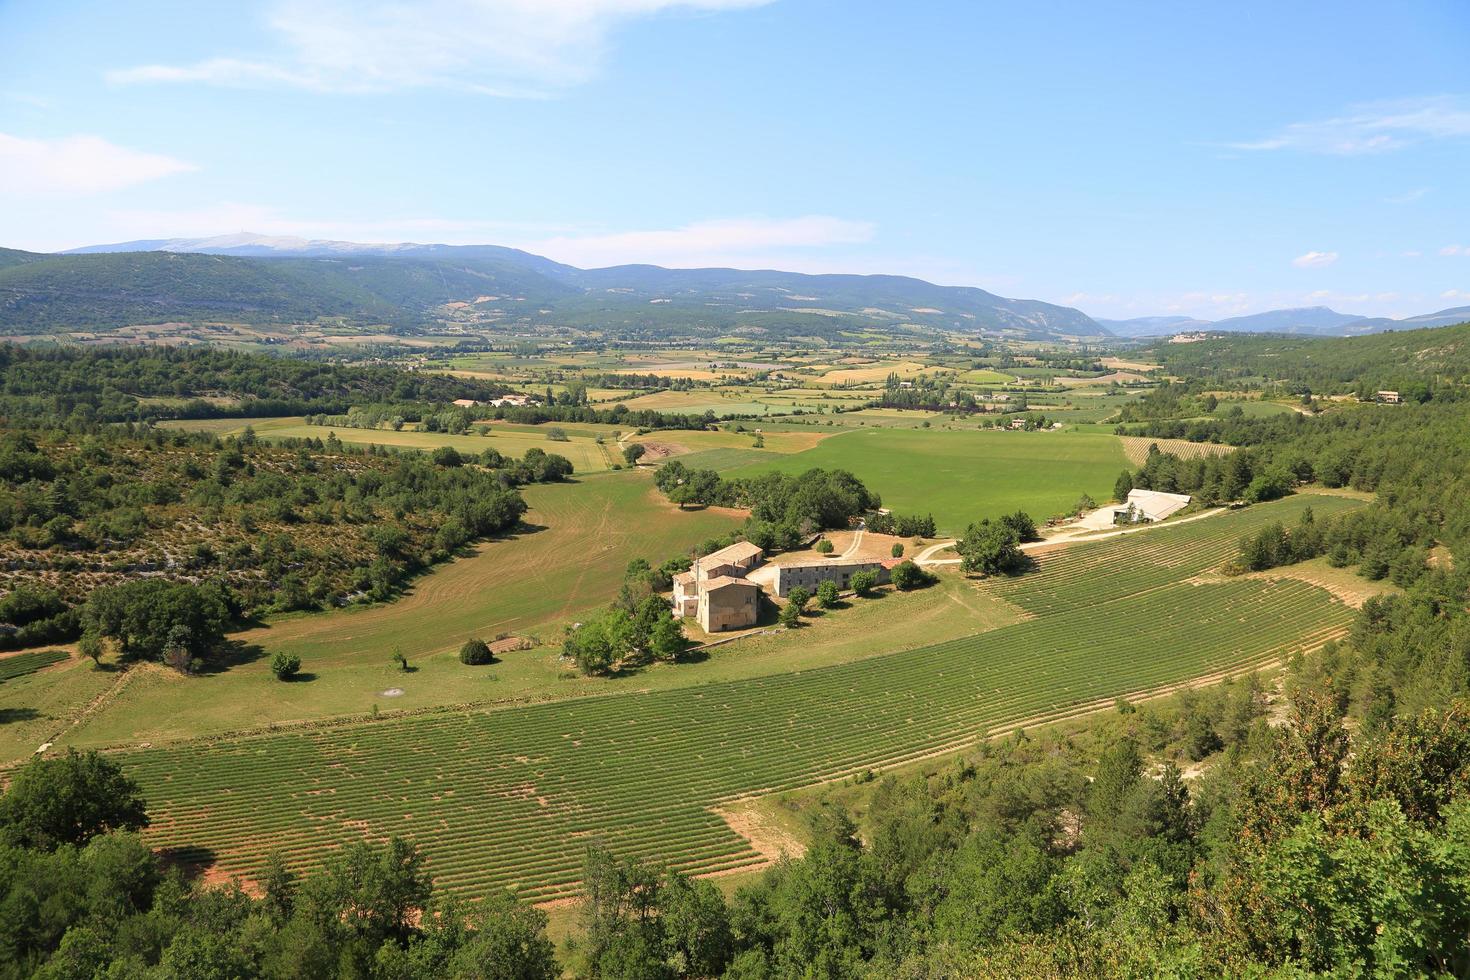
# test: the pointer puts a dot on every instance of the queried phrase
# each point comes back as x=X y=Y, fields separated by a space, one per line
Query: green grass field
x=963 y=475
x=505 y=798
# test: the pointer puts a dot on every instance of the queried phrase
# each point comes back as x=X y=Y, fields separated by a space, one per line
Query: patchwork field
x=506 y=797
x=960 y=476
x=1136 y=448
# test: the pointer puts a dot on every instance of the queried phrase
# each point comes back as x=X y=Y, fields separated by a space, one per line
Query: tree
x=798 y=597
x=1123 y=487
x=823 y=547
x=475 y=652
x=399 y=660
x=827 y=594
x=90 y=645
x=69 y=800
x=790 y=616
x=285 y=665
x=897 y=550
x=508 y=943
x=864 y=582
x=447 y=456
x=907 y=575
x=633 y=452
x=667 y=641
x=1022 y=524
x=990 y=548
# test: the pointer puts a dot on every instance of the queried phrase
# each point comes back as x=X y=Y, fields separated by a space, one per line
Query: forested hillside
x=1429 y=358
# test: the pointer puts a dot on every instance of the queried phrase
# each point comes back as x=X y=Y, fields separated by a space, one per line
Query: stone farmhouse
x=808 y=575
x=715 y=591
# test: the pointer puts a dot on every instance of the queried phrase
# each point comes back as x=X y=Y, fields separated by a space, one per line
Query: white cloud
x=77 y=165
x=1455 y=250
x=1455 y=294
x=1314 y=260
x=739 y=242
x=1374 y=127
x=513 y=48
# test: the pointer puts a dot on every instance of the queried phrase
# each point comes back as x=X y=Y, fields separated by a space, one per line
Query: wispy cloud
x=1374 y=127
x=1455 y=250
x=742 y=242
x=1408 y=197
x=1314 y=260
x=77 y=165
x=513 y=48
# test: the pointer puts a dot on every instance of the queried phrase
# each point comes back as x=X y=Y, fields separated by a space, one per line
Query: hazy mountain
x=283 y=279
x=1317 y=321
x=1152 y=326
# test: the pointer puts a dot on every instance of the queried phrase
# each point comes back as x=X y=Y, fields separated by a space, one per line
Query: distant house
x=1389 y=397
x=734 y=561
x=1018 y=423
x=811 y=574
x=465 y=403
x=727 y=603
x=516 y=400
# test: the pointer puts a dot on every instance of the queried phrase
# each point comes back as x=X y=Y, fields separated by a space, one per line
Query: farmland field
x=961 y=476
x=1136 y=448
x=28 y=663
x=586 y=456
x=505 y=797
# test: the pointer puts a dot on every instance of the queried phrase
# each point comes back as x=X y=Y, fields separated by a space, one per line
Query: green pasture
x=962 y=475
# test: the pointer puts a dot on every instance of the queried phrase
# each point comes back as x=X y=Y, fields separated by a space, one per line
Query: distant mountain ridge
x=1316 y=321
x=405 y=284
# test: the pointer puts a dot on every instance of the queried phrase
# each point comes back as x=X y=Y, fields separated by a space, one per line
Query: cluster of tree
x=619 y=414
x=73 y=387
x=637 y=629
x=1173 y=400
x=902 y=525
x=1380 y=542
x=993 y=547
x=86 y=897
x=286 y=527
x=926 y=392
x=1216 y=478
x=784 y=509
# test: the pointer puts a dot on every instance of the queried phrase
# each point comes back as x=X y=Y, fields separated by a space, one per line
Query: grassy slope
x=961 y=476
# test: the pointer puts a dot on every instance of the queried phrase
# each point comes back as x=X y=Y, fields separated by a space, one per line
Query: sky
x=1128 y=159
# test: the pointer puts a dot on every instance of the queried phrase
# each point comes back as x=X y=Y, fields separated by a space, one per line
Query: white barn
x=1141 y=507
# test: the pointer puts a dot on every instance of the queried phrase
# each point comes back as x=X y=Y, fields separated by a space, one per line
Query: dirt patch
x=654 y=452
x=750 y=820
x=392 y=692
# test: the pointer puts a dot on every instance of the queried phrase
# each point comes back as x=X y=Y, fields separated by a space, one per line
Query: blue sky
x=1128 y=159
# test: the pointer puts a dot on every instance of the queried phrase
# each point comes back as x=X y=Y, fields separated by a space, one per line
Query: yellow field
x=878 y=372
x=1136 y=448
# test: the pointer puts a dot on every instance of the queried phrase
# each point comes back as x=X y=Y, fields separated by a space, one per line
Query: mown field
x=506 y=798
x=962 y=475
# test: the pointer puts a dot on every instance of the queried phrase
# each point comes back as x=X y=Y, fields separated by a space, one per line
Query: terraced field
x=507 y=797
x=1136 y=448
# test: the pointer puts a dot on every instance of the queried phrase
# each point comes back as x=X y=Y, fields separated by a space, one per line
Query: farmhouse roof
x=831 y=563
x=726 y=581
x=684 y=578
x=737 y=552
x=1157 y=505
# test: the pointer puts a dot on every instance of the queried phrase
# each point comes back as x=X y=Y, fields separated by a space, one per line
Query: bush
x=907 y=575
x=447 y=456
x=864 y=582
x=824 y=547
x=399 y=660
x=285 y=666
x=897 y=549
x=827 y=594
x=790 y=616
x=798 y=597
x=475 y=653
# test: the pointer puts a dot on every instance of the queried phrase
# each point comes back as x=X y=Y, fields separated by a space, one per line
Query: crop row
x=1119 y=569
x=28 y=663
x=508 y=798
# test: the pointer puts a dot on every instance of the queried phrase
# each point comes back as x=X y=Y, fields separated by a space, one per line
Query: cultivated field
x=506 y=797
x=962 y=475
x=1136 y=448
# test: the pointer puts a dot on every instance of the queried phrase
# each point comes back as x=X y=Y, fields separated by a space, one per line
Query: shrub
x=864 y=582
x=897 y=549
x=285 y=666
x=827 y=594
x=399 y=660
x=824 y=547
x=798 y=597
x=907 y=575
x=790 y=616
x=475 y=653
x=447 y=456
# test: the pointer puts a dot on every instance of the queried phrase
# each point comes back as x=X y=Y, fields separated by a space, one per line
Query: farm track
x=507 y=798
